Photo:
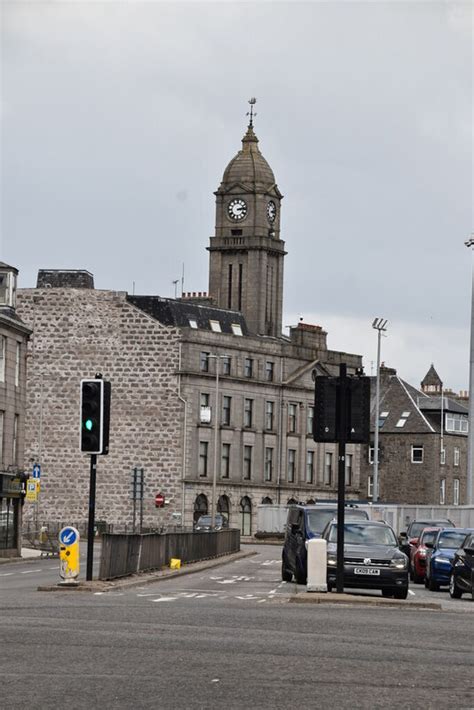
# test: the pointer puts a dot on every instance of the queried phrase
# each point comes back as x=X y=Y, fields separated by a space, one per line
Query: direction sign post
x=69 y=555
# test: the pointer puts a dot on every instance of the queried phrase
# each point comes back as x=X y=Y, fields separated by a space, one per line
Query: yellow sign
x=175 y=563
x=69 y=553
x=32 y=490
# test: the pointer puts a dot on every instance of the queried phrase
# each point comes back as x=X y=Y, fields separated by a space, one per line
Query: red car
x=418 y=554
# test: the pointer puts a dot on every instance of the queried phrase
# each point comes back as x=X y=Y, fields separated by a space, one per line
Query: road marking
x=410 y=592
x=270 y=562
x=28 y=571
x=165 y=599
x=6 y=574
x=150 y=594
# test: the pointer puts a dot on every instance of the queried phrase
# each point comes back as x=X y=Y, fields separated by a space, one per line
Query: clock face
x=237 y=209
x=271 y=211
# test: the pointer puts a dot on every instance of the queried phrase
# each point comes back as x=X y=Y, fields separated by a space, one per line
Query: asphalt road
x=225 y=638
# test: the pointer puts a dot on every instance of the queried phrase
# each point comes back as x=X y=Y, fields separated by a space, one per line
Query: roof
x=431 y=378
x=182 y=314
x=449 y=405
x=249 y=167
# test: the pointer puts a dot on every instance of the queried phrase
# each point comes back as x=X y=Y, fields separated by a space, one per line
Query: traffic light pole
x=91 y=523
x=341 y=474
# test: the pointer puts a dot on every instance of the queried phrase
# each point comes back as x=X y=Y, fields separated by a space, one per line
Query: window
x=204 y=362
x=456 y=491
x=372 y=453
x=442 y=491
x=226 y=402
x=192 y=323
x=15 y=439
x=401 y=423
x=457 y=456
x=348 y=468
x=405 y=415
x=328 y=468
x=291 y=465
x=248 y=412
x=268 y=463
x=248 y=367
x=203 y=458
x=456 y=422
x=3 y=348
x=236 y=329
x=225 y=365
x=310 y=467
x=292 y=418
x=205 y=409
x=417 y=454
x=245 y=516
x=2 y=418
x=370 y=486
x=269 y=415
x=215 y=326
x=442 y=457
x=269 y=371
x=382 y=418
x=225 y=468
x=310 y=420
x=247 y=472
x=17 y=365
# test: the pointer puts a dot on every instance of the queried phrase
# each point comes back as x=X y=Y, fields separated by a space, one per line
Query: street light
x=379 y=325
x=217 y=358
x=470 y=440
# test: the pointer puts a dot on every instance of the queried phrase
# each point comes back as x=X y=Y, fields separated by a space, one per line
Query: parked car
x=440 y=557
x=419 y=552
x=416 y=527
x=303 y=523
x=372 y=559
x=460 y=580
x=204 y=523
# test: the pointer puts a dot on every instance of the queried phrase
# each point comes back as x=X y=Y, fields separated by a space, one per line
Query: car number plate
x=366 y=570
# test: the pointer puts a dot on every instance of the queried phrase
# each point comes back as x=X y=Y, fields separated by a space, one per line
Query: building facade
x=204 y=387
x=13 y=344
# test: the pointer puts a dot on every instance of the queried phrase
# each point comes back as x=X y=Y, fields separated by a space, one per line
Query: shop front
x=11 y=496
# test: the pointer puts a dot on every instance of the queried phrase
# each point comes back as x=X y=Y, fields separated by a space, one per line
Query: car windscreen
x=451 y=539
x=429 y=536
x=359 y=534
x=318 y=519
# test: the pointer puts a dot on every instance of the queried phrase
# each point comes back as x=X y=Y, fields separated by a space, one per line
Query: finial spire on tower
x=250 y=113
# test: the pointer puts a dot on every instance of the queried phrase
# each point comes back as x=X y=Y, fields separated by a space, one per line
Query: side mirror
x=402 y=536
x=429 y=545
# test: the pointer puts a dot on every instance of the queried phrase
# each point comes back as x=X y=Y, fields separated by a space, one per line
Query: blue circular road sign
x=68 y=536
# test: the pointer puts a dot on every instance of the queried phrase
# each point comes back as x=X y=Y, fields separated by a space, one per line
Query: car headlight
x=332 y=560
x=399 y=562
x=421 y=553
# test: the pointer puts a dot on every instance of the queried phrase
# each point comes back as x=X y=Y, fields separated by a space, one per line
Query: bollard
x=317 y=565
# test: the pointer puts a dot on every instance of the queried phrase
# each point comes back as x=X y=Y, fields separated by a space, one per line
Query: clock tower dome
x=246 y=253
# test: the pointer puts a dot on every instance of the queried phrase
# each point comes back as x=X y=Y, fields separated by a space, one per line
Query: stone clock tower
x=246 y=253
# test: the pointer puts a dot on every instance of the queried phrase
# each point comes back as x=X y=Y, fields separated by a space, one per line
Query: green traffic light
x=88 y=424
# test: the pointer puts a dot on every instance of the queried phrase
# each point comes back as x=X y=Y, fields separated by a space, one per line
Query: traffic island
x=360 y=600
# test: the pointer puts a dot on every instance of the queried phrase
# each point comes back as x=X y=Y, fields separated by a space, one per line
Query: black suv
x=303 y=523
x=462 y=573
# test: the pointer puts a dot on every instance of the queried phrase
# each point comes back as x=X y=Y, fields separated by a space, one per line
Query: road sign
x=37 y=471
x=32 y=490
x=69 y=553
x=159 y=500
x=68 y=536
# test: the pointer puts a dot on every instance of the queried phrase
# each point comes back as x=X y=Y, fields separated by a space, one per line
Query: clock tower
x=246 y=253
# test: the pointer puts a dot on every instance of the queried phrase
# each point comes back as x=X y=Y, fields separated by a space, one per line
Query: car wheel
x=432 y=585
x=286 y=575
x=454 y=591
x=300 y=575
x=400 y=593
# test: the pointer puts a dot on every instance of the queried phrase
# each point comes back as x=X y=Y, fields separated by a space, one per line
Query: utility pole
x=379 y=325
x=470 y=440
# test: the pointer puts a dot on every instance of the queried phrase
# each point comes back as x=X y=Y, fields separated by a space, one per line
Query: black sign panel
x=327 y=393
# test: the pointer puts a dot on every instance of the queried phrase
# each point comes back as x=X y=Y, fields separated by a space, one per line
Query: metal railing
x=124 y=554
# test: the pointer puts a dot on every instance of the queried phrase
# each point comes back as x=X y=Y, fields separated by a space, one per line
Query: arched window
x=267 y=501
x=245 y=516
x=291 y=501
x=223 y=507
x=200 y=506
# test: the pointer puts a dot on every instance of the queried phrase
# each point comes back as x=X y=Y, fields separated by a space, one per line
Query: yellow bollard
x=175 y=563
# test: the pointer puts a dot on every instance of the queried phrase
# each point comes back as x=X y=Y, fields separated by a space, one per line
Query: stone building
x=167 y=359
x=422 y=443
x=13 y=341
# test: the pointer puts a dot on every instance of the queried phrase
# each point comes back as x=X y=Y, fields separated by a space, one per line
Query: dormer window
x=236 y=329
x=215 y=326
x=7 y=288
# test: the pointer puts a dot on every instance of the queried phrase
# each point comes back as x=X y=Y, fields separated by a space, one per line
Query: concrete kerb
x=334 y=598
x=147 y=577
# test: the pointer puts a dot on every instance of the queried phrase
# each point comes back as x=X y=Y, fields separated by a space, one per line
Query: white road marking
x=150 y=594
x=28 y=571
x=410 y=592
x=165 y=599
x=261 y=600
x=270 y=562
x=6 y=574
x=98 y=594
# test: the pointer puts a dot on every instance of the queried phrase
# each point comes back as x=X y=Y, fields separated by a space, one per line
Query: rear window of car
x=417 y=528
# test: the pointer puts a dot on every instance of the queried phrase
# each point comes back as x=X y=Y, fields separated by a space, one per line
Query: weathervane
x=250 y=113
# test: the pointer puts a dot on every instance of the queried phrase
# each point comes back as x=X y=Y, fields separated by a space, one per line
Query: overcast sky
x=119 y=119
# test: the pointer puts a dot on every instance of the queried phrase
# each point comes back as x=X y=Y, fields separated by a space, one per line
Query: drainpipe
x=185 y=428
x=280 y=432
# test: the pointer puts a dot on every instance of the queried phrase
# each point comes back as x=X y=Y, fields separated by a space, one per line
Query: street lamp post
x=470 y=441
x=379 y=325
x=217 y=358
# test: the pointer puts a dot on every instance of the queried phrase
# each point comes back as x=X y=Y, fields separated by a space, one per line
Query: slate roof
x=178 y=313
x=431 y=378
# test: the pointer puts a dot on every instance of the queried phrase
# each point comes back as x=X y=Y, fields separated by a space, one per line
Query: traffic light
x=95 y=416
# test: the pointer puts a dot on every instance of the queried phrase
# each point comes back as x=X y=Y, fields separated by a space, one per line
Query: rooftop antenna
x=250 y=113
x=182 y=280
x=133 y=288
